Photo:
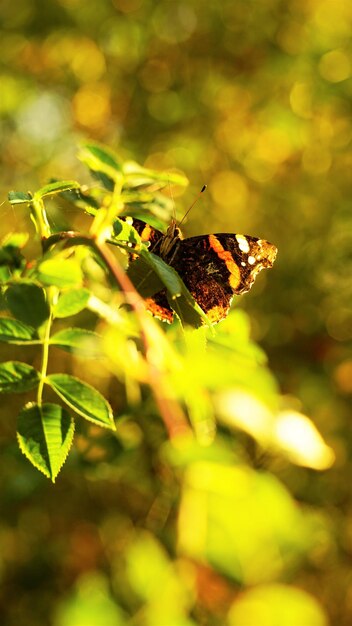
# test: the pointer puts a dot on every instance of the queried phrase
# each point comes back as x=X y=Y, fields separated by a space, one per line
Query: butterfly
x=214 y=267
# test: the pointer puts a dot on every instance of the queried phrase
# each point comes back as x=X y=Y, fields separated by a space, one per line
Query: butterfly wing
x=213 y=267
x=216 y=267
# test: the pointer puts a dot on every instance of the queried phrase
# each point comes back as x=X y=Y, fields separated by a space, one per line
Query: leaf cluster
x=194 y=374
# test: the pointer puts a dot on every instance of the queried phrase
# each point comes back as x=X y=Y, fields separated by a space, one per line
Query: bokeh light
x=252 y=99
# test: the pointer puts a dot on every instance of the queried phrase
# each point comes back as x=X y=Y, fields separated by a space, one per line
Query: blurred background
x=253 y=98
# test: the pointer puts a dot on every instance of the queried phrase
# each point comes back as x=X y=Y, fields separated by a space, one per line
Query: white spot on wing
x=242 y=243
x=251 y=260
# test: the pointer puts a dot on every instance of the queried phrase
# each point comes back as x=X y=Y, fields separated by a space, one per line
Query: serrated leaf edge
x=29 y=457
x=112 y=426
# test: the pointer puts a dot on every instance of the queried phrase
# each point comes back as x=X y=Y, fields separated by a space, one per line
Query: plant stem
x=39 y=217
x=45 y=358
x=170 y=409
x=105 y=216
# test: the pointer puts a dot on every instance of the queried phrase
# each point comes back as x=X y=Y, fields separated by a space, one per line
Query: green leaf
x=150 y=274
x=45 y=436
x=60 y=272
x=145 y=279
x=123 y=231
x=81 y=199
x=166 y=273
x=13 y=331
x=16 y=377
x=82 y=342
x=103 y=163
x=151 y=207
x=27 y=302
x=97 y=154
x=19 y=197
x=82 y=398
x=71 y=302
x=137 y=175
x=56 y=187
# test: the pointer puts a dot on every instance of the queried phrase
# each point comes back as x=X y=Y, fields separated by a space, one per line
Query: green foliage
x=60 y=273
x=204 y=397
x=17 y=377
x=63 y=288
x=253 y=99
x=14 y=331
x=45 y=436
x=71 y=302
x=27 y=303
x=80 y=340
x=82 y=398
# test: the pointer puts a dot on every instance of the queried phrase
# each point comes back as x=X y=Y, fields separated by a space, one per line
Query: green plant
x=54 y=287
x=203 y=399
x=183 y=368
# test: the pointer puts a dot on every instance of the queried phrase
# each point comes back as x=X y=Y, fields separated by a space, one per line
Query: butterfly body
x=214 y=267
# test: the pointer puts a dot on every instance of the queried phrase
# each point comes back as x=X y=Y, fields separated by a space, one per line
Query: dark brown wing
x=214 y=268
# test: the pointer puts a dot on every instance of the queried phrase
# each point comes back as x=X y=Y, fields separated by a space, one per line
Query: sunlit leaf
x=19 y=197
x=154 y=208
x=123 y=231
x=103 y=163
x=84 y=343
x=83 y=399
x=138 y=175
x=17 y=377
x=60 y=272
x=81 y=199
x=100 y=154
x=56 y=187
x=71 y=302
x=45 y=436
x=13 y=331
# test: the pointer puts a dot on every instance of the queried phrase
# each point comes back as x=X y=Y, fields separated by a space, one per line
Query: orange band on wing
x=226 y=256
x=145 y=234
x=166 y=315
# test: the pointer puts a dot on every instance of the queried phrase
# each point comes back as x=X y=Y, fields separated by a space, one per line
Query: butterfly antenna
x=193 y=203
x=172 y=200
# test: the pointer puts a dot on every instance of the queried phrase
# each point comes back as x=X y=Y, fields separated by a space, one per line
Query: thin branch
x=170 y=410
